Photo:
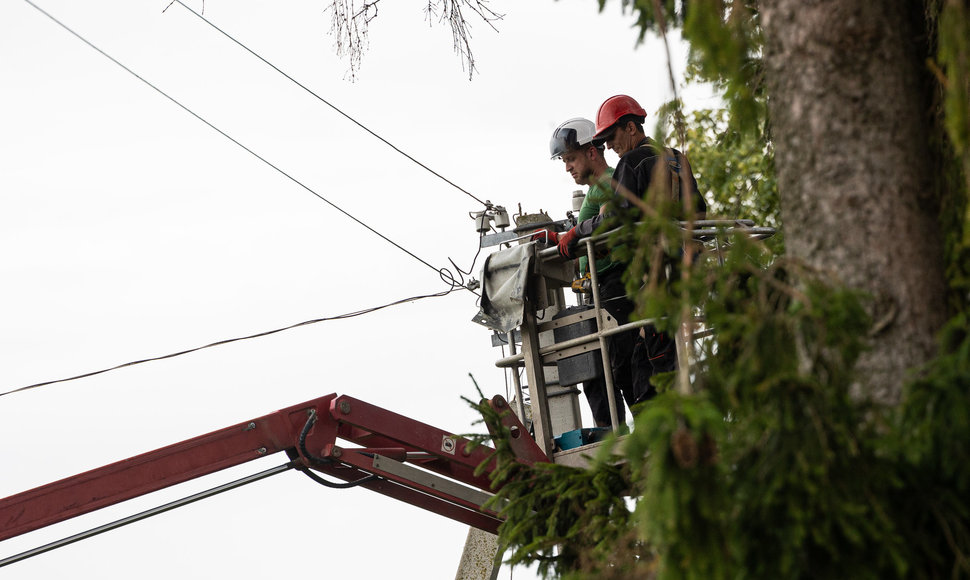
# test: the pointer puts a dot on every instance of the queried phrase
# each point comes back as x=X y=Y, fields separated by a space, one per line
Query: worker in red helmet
x=634 y=356
x=619 y=124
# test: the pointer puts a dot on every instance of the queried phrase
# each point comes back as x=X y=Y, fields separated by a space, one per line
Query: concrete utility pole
x=480 y=559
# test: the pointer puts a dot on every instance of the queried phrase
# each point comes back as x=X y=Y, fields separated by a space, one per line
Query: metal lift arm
x=391 y=454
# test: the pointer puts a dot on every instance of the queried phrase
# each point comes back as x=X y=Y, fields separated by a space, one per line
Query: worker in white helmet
x=584 y=160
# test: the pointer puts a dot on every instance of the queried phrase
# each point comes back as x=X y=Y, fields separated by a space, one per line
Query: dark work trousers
x=633 y=358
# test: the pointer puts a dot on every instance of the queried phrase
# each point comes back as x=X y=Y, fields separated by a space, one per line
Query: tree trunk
x=850 y=122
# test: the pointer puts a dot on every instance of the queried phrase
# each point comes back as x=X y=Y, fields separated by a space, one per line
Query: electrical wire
x=325 y=102
x=230 y=340
x=445 y=274
x=442 y=272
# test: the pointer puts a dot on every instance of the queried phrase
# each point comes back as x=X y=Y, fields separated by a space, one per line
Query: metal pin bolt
x=261 y=451
x=345 y=407
x=336 y=452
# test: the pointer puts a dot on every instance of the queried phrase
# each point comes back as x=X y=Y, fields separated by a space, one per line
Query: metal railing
x=534 y=357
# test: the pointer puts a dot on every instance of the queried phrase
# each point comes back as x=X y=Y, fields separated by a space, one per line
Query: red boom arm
x=392 y=454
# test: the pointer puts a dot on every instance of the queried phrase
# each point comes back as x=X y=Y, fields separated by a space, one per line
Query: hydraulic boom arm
x=389 y=453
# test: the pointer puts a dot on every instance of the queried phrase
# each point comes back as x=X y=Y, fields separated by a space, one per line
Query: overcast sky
x=130 y=229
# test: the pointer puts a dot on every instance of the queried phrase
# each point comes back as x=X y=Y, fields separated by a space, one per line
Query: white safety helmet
x=571 y=135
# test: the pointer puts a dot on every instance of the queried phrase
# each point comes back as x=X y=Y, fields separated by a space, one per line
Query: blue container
x=579 y=437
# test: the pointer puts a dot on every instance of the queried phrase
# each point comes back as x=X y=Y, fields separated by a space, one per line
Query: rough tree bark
x=849 y=104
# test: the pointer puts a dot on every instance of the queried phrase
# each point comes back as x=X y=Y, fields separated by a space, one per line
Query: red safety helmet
x=613 y=109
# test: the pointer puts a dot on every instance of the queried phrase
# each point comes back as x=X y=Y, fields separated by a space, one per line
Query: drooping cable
x=227 y=136
x=443 y=273
x=230 y=340
x=327 y=103
x=448 y=278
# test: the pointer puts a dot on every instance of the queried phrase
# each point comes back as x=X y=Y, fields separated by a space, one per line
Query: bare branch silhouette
x=349 y=20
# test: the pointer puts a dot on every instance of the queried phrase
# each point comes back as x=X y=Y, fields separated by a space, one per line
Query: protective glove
x=567 y=244
x=546 y=236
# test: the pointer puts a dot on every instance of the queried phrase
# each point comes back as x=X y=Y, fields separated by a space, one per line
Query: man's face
x=621 y=139
x=578 y=165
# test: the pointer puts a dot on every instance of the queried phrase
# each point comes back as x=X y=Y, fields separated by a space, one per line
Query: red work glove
x=546 y=236
x=567 y=244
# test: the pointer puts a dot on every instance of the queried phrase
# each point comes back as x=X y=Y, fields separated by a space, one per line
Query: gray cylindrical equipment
x=501 y=217
x=578 y=197
x=481 y=222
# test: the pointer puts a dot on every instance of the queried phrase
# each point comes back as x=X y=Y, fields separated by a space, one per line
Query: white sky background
x=129 y=229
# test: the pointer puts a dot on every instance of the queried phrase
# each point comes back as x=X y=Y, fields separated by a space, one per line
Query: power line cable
x=329 y=104
x=230 y=340
x=442 y=272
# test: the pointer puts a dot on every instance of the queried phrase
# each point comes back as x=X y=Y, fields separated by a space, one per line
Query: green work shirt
x=599 y=193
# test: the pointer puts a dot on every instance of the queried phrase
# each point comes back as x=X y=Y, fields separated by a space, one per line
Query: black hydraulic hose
x=336 y=485
x=323 y=460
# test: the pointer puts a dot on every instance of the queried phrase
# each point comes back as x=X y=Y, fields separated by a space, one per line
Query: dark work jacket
x=634 y=173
